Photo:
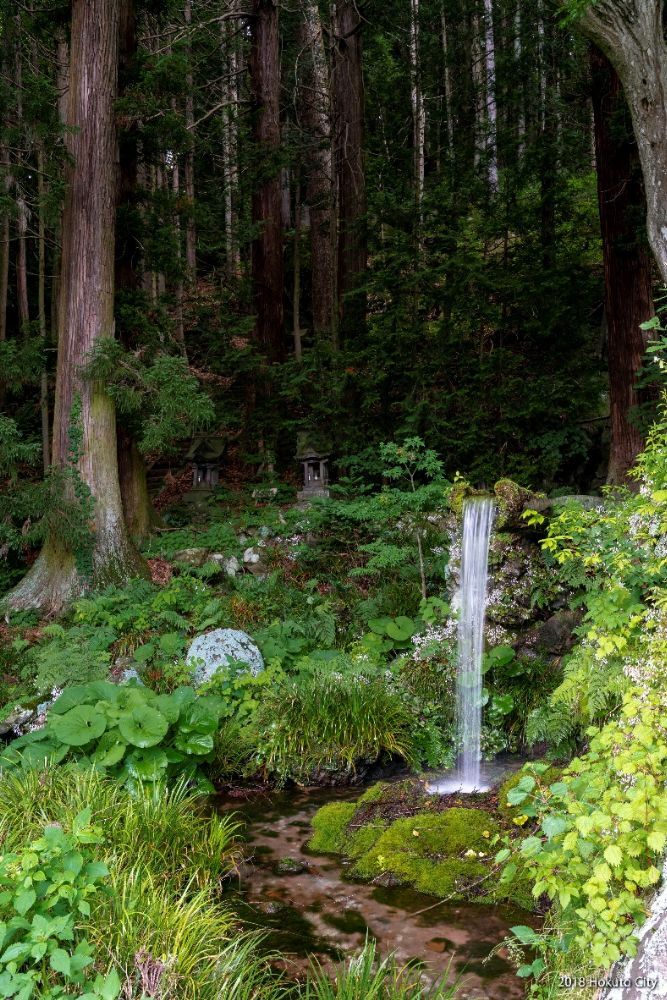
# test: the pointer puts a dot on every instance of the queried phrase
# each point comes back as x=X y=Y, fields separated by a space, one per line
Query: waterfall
x=477 y=523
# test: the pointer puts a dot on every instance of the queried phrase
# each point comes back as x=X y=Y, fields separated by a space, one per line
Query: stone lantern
x=205 y=454
x=315 y=470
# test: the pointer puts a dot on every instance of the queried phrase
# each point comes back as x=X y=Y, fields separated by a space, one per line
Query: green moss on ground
x=329 y=827
x=445 y=853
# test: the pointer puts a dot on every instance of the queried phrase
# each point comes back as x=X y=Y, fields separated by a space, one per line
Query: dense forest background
x=340 y=225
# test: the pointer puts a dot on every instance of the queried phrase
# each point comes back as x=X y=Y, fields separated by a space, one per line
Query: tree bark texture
x=315 y=114
x=267 y=247
x=140 y=515
x=86 y=314
x=348 y=91
x=630 y=33
x=627 y=263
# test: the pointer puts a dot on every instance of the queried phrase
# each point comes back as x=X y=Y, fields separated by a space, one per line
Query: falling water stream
x=477 y=523
x=471 y=598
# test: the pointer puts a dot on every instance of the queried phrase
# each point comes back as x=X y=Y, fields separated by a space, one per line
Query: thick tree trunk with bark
x=41 y=306
x=140 y=515
x=5 y=179
x=315 y=115
x=190 y=226
x=230 y=44
x=85 y=311
x=348 y=92
x=267 y=247
x=627 y=263
x=630 y=33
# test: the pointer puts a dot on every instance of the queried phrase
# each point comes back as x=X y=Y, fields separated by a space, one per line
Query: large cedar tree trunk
x=85 y=314
x=630 y=33
x=315 y=114
x=140 y=515
x=348 y=91
x=627 y=263
x=267 y=247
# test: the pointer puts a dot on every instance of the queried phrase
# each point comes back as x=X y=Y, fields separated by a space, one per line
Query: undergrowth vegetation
x=595 y=837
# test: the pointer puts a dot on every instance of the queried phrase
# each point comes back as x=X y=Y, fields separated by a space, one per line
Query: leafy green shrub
x=330 y=722
x=46 y=891
x=129 y=732
x=602 y=829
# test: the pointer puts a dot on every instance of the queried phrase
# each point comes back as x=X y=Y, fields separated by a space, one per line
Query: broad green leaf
x=60 y=961
x=78 y=726
x=614 y=855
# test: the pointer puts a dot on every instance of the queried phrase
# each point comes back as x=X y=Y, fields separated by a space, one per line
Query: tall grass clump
x=180 y=937
x=165 y=829
x=368 y=977
x=331 y=722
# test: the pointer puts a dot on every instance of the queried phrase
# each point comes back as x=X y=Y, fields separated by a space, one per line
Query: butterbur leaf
x=183 y=696
x=78 y=726
x=194 y=743
x=143 y=726
x=398 y=632
x=77 y=694
x=169 y=707
x=379 y=625
x=147 y=765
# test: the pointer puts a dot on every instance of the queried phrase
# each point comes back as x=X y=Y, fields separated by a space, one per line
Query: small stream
x=314 y=912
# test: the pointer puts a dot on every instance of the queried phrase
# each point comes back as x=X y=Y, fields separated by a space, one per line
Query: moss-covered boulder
x=446 y=854
x=334 y=831
x=398 y=834
x=511 y=501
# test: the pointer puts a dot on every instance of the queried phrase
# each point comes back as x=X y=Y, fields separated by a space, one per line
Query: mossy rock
x=374 y=794
x=447 y=854
x=511 y=500
x=329 y=826
x=430 y=851
x=334 y=832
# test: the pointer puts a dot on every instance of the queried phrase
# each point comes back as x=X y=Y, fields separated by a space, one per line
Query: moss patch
x=396 y=832
x=442 y=854
x=329 y=827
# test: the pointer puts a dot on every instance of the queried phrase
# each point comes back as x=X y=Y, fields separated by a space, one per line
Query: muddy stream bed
x=313 y=911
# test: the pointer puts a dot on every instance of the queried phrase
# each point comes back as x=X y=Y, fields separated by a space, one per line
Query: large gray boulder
x=213 y=651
